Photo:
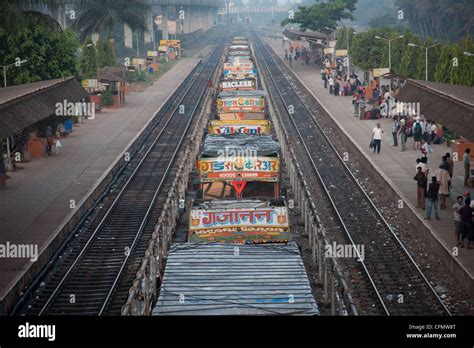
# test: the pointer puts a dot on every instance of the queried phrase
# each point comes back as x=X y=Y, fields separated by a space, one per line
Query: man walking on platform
x=467 y=165
x=377 y=137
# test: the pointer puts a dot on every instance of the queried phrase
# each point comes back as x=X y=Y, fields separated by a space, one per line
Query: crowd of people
x=439 y=190
x=372 y=101
x=304 y=55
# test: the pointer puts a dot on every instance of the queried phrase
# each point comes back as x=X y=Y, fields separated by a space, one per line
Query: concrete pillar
x=127 y=36
x=61 y=16
x=188 y=21
x=95 y=38
x=164 y=17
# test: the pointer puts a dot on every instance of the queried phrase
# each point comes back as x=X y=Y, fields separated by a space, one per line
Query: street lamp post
x=390 y=64
x=348 y=58
x=426 y=55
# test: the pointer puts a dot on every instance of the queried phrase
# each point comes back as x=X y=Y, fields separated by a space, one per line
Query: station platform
x=396 y=166
x=37 y=197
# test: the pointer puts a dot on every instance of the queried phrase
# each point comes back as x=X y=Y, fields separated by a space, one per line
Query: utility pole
x=390 y=63
x=426 y=56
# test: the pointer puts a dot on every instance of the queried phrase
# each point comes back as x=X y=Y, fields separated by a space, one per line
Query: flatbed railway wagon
x=238 y=261
x=203 y=279
x=239 y=166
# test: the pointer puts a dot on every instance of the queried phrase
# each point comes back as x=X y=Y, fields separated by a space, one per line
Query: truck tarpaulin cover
x=218 y=145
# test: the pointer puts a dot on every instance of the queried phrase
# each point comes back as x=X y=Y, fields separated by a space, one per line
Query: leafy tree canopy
x=50 y=54
x=16 y=14
x=104 y=15
x=323 y=15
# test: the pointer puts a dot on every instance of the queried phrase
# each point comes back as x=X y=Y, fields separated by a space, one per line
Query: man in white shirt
x=424 y=150
x=377 y=137
x=331 y=85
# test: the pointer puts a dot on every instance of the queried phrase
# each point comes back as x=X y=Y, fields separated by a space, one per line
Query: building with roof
x=446 y=104
x=25 y=105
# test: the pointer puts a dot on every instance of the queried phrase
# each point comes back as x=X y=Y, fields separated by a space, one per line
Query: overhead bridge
x=259 y=9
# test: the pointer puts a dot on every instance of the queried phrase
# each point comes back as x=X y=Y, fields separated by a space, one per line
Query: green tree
x=16 y=14
x=443 y=64
x=410 y=56
x=455 y=72
x=444 y=20
x=89 y=65
x=50 y=54
x=322 y=15
x=105 y=53
x=367 y=52
x=104 y=15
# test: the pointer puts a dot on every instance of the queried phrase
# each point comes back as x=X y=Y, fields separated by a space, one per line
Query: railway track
x=387 y=279
x=94 y=272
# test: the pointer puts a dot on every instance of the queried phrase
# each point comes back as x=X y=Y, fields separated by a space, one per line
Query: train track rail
x=391 y=277
x=93 y=274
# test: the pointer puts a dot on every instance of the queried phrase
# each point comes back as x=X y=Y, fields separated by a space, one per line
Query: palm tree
x=15 y=14
x=97 y=16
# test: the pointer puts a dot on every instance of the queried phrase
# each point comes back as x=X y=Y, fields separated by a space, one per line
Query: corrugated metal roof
x=210 y=279
x=451 y=110
x=23 y=105
x=461 y=93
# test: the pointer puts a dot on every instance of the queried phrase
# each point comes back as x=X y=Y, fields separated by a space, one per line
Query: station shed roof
x=447 y=104
x=24 y=105
x=315 y=37
x=113 y=74
x=260 y=145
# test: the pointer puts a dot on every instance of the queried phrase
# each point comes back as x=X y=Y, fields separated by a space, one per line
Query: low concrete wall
x=72 y=219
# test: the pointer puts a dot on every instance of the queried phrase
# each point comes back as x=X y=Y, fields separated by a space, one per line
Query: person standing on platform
x=450 y=162
x=331 y=84
x=337 y=86
x=457 y=219
x=467 y=165
x=403 y=135
x=286 y=55
x=355 y=103
x=433 y=199
x=377 y=137
x=443 y=180
x=290 y=59
x=417 y=134
x=395 y=127
x=425 y=149
x=50 y=140
x=466 y=223
x=420 y=178
x=362 y=106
